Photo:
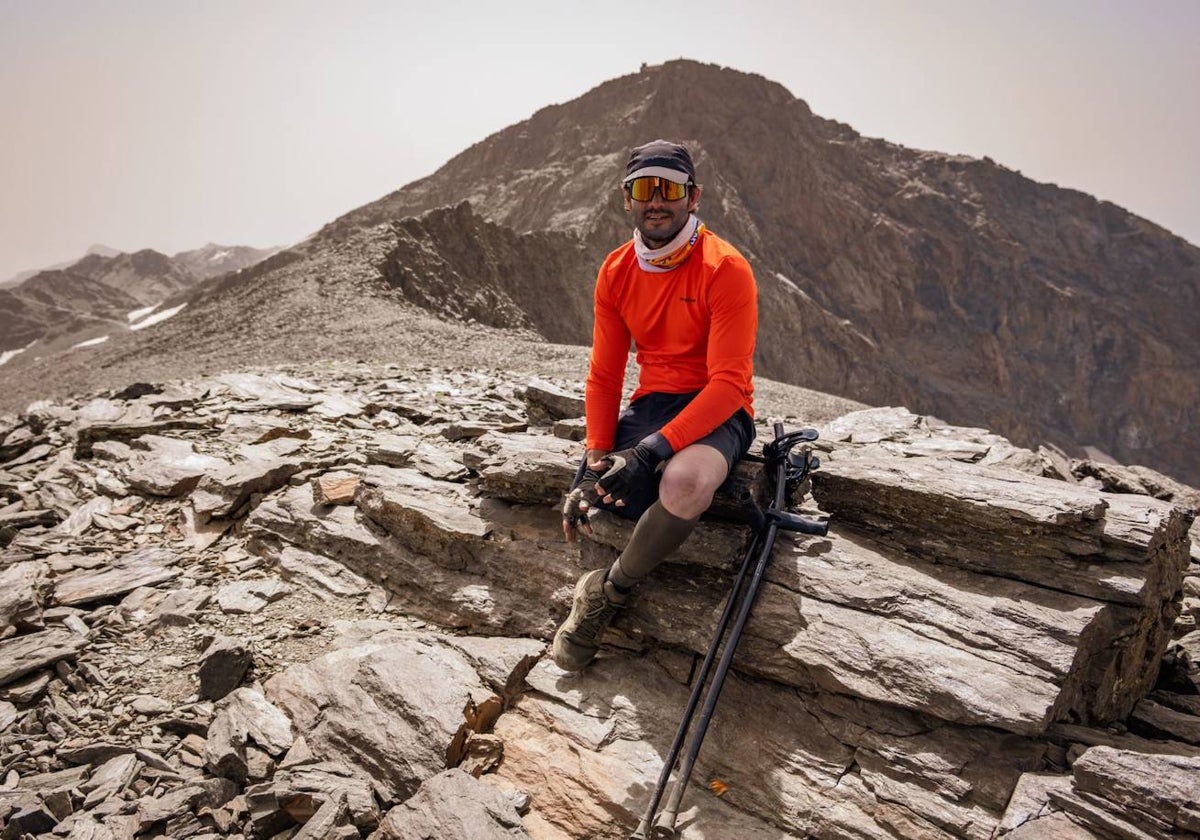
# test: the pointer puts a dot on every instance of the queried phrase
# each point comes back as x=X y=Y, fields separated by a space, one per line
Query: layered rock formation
x=315 y=604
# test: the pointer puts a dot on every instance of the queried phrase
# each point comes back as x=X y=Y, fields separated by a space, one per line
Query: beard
x=659 y=224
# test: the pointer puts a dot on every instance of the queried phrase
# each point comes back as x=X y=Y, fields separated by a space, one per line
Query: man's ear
x=694 y=198
x=626 y=199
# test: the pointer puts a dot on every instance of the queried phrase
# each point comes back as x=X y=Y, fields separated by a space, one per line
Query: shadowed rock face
x=318 y=601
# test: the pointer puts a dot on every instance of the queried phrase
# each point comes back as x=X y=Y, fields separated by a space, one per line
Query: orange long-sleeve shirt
x=694 y=329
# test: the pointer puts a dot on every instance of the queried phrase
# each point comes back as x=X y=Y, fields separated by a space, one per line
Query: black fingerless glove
x=632 y=467
x=581 y=498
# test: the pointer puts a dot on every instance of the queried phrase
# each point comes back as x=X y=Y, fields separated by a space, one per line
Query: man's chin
x=657 y=237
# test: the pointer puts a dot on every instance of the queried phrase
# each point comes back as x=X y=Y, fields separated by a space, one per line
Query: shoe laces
x=596 y=617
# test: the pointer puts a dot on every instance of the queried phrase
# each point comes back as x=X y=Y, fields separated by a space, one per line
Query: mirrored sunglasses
x=642 y=189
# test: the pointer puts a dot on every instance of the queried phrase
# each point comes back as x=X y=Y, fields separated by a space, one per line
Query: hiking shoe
x=596 y=602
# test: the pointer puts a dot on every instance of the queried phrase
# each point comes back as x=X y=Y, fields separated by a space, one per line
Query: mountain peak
x=102 y=250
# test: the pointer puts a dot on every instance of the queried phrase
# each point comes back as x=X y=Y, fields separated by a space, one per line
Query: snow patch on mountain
x=139 y=314
x=91 y=342
x=158 y=317
x=8 y=355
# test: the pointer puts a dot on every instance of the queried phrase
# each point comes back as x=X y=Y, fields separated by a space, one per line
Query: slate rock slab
x=22 y=654
x=529 y=468
x=105 y=420
x=261 y=393
x=1125 y=549
x=222 y=492
x=250 y=596
x=325 y=578
x=454 y=804
x=142 y=567
x=1160 y=792
x=166 y=466
x=20 y=604
x=330 y=822
x=546 y=402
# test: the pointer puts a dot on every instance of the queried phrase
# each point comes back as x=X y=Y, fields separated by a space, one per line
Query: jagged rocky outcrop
x=315 y=603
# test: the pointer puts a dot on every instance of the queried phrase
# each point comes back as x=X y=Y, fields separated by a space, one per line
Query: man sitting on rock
x=687 y=299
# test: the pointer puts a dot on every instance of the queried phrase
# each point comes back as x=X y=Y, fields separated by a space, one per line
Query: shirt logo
x=688 y=299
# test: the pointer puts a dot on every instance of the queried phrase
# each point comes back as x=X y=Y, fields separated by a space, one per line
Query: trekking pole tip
x=664 y=825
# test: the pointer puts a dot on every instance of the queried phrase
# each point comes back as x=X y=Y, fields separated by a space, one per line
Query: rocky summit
x=314 y=602
x=887 y=275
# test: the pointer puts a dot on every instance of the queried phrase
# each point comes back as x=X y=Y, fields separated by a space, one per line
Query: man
x=688 y=301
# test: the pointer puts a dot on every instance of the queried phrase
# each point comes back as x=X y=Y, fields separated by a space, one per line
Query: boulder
x=222 y=666
x=389 y=703
x=453 y=804
x=244 y=717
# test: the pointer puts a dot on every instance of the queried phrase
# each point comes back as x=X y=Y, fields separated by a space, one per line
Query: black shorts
x=648 y=414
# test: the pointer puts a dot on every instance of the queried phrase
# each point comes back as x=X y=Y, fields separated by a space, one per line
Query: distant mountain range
x=888 y=275
x=21 y=277
x=105 y=291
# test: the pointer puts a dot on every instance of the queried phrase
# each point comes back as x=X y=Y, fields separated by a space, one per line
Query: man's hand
x=630 y=468
x=583 y=496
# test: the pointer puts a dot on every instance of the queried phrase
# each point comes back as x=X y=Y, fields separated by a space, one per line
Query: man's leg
x=689 y=481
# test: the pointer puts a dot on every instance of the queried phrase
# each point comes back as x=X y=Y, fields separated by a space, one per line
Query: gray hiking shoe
x=596 y=602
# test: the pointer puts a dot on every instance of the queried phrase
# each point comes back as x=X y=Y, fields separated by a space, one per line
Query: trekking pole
x=697 y=690
x=789 y=469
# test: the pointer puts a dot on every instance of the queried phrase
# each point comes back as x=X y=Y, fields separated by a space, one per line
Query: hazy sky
x=168 y=124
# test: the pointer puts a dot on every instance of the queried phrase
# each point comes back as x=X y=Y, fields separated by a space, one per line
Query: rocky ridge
x=314 y=603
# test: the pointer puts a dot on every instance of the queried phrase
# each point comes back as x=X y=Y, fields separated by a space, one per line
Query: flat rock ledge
x=989 y=642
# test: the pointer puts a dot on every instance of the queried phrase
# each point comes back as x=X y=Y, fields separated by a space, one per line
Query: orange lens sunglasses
x=642 y=189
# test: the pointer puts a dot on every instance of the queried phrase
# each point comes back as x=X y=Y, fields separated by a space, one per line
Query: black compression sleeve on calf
x=656 y=535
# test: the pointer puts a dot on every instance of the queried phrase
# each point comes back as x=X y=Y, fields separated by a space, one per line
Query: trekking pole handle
x=787 y=521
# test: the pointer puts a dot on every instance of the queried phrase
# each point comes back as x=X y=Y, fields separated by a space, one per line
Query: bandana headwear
x=663 y=159
x=671 y=255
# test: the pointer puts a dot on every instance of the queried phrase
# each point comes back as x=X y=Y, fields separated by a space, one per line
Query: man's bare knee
x=690 y=480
